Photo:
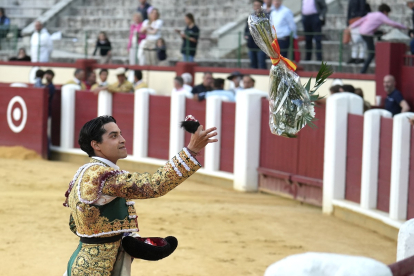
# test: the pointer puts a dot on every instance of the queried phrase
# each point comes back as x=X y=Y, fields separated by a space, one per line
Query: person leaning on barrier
x=138 y=82
x=218 y=90
x=248 y=82
x=39 y=79
x=103 y=77
x=121 y=86
x=206 y=85
x=394 y=102
x=78 y=78
x=188 y=79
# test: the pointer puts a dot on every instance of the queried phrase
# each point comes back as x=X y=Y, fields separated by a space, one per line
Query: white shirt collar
x=107 y=162
x=76 y=80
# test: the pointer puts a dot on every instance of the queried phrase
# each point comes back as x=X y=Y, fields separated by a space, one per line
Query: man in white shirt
x=188 y=80
x=41 y=44
x=284 y=23
x=179 y=87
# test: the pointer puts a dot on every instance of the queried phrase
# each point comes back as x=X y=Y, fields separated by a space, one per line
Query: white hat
x=120 y=71
x=337 y=82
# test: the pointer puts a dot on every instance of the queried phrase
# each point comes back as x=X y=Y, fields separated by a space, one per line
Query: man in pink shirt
x=367 y=27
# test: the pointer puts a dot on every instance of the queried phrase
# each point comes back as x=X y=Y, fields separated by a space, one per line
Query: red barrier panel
x=86 y=109
x=123 y=112
x=198 y=110
x=24 y=118
x=228 y=123
x=384 y=165
x=410 y=205
x=311 y=147
x=56 y=116
x=159 y=127
x=276 y=152
x=354 y=157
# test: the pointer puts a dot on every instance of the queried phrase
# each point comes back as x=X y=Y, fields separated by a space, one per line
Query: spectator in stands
x=394 y=102
x=143 y=8
x=218 y=90
x=135 y=37
x=122 y=85
x=347 y=88
x=49 y=75
x=90 y=80
x=179 y=87
x=4 y=24
x=248 y=82
x=268 y=7
x=359 y=92
x=313 y=18
x=39 y=78
x=411 y=34
x=188 y=80
x=22 y=56
x=257 y=56
x=368 y=25
x=284 y=23
x=410 y=4
x=356 y=10
x=41 y=44
x=138 y=82
x=235 y=81
x=103 y=77
x=206 y=85
x=152 y=28
x=79 y=76
x=190 y=38
x=161 y=49
x=104 y=46
x=335 y=89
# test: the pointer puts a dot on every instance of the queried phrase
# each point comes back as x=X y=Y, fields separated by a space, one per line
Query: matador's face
x=113 y=144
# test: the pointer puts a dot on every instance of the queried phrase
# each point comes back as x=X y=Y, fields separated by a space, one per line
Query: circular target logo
x=17 y=114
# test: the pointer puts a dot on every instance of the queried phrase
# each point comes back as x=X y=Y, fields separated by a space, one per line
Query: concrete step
x=27 y=3
x=31 y=11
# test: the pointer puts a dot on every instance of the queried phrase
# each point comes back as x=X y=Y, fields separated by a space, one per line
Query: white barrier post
x=370 y=157
x=401 y=140
x=213 y=119
x=247 y=140
x=338 y=106
x=177 y=115
x=104 y=103
x=67 y=120
x=405 y=245
x=141 y=118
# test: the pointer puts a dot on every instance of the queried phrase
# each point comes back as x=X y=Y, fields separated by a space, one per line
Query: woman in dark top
x=104 y=46
x=190 y=38
x=22 y=56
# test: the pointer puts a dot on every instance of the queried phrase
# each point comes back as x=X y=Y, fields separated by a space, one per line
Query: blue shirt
x=283 y=21
x=412 y=46
x=392 y=102
x=229 y=96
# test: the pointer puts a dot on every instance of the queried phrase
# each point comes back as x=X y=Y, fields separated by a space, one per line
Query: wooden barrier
x=384 y=165
x=159 y=127
x=24 y=113
x=198 y=110
x=86 y=108
x=123 y=112
x=228 y=121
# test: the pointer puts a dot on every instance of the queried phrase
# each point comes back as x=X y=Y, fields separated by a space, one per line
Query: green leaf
x=324 y=72
x=308 y=85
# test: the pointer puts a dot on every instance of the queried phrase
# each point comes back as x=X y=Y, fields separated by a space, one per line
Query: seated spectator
x=394 y=102
x=143 y=8
x=79 y=76
x=206 y=85
x=161 y=52
x=138 y=82
x=179 y=87
x=235 y=81
x=411 y=34
x=103 y=77
x=135 y=37
x=122 y=85
x=248 y=82
x=359 y=92
x=347 y=88
x=39 y=78
x=22 y=56
x=49 y=75
x=218 y=90
x=104 y=46
x=90 y=80
x=188 y=80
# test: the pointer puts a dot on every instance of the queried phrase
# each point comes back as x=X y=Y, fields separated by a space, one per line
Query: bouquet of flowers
x=291 y=104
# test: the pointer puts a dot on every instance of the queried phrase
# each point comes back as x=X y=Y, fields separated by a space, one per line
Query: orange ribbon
x=275 y=61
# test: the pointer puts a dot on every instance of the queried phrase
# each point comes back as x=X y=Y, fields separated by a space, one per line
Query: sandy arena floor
x=220 y=232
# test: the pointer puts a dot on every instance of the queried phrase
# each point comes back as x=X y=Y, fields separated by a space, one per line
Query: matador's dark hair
x=93 y=131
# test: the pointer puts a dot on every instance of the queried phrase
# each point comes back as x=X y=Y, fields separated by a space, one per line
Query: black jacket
x=356 y=8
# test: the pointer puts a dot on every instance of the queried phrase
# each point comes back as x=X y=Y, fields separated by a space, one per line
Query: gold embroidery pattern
x=95 y=259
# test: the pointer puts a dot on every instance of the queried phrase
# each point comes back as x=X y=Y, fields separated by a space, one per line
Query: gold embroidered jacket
x=96 y=179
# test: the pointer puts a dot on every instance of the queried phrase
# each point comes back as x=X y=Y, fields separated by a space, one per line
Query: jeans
x=369 y=40
x=284 y=43
x=312 y=24
x=257 y=59
x=188 y=58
